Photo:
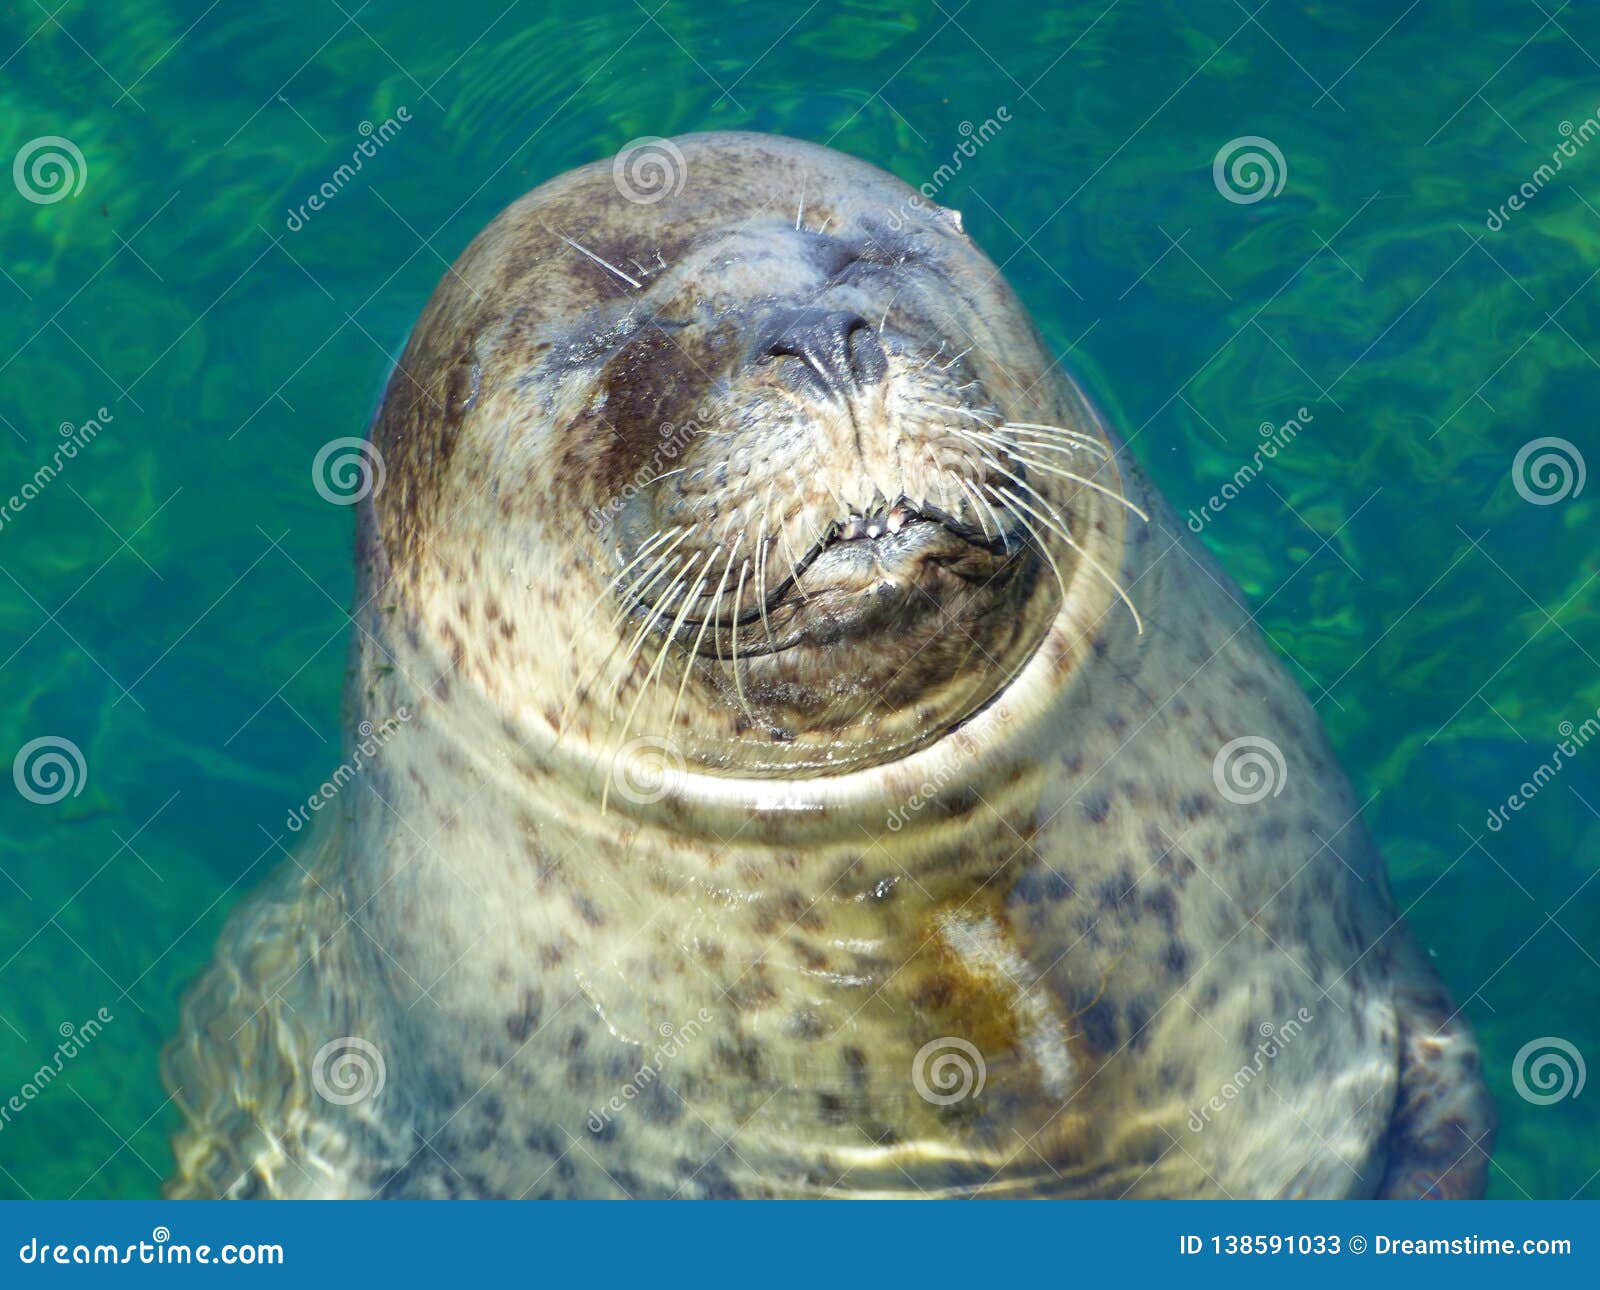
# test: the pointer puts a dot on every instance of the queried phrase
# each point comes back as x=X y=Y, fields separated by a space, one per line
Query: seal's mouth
x=871 y=575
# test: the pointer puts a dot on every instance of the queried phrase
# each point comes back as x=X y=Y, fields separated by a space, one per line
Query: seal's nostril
x=840 y=349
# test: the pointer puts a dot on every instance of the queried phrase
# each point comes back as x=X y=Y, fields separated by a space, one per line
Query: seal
x=816 y=763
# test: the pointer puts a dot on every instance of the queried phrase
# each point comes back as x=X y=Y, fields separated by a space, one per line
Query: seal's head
x=739 y=443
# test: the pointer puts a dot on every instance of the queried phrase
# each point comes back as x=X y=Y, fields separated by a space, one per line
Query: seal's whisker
x=604 y=264
x=1083 y=555
x=1055 y=431
x=738 y=605
x=968 y=412
x=636 y=592
x=690 y=596
x=658 y=609
x=1011 y=451
x=1052 y=443
x=1038 y=539
x=927 y=362
x=1038 y=443
x=669 y=474
x=645 y=549
x=761 y=579
x=983 y=524
x=983 y=502
x=705 y=622
x=1076 y=478
x=652 y=677
x=794 y=563
x=627 y=595
x=936 y=477
x=628 y=599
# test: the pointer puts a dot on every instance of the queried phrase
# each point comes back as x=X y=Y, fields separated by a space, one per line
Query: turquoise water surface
x=181 y=330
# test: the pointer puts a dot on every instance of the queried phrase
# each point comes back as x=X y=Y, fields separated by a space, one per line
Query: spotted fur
x=990 y=818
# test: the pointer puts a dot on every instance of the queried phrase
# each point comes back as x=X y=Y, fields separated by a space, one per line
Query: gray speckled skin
x=993 y=820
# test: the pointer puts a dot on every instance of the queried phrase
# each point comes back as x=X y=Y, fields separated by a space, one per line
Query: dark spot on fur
x=522 y=1024
x=1042 y=885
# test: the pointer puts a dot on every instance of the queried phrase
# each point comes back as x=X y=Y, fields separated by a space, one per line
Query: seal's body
x=818 y=765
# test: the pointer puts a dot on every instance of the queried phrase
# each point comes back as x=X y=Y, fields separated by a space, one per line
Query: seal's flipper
x=1444 y=1122
x=241 y=1065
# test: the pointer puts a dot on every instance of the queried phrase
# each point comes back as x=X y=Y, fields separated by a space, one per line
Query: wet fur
x=1050 y=876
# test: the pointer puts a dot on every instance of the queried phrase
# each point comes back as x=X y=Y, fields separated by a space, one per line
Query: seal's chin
x=872 y=578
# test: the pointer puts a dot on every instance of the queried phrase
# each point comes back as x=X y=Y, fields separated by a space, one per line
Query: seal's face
x=824 y=492
x=828 y=537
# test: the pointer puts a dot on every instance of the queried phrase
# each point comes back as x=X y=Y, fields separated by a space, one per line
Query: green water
x=172 y=600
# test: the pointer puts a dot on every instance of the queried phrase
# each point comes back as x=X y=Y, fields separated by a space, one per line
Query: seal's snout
x=836 y=349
